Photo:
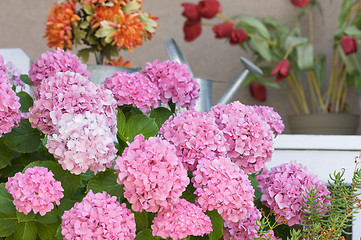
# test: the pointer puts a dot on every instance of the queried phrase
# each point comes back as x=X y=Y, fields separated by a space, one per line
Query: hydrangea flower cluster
x=283 y=188
x=223 y=186
x=51 y=62
x=9 y=104
x=35 y=189
x=83 y=142
x=152 y=174
x=181 y=220
x=273 y=119
x=195 y=136
x=69 y=92
x=174 y=81
x=14 y=74
x=249 y=138
x=244 y=229
x=98 y=216
x=133 y=88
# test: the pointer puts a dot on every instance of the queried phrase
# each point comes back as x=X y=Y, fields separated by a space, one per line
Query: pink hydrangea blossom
x=152 y=174
x=68 y=92
x=98 y=216
x=174 y=82
x=9 y=105
x=35 y=189
x=249 y=137
x=195 y=135
x=245 y=229
x=181 y=220
x=83 y=142
x=272 y=118
x=133 y=88
x=283 y=188
x=223 y=186
x=51 y=62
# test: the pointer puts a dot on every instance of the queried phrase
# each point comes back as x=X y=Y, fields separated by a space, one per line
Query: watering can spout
x=232 y=91
x=204 y=102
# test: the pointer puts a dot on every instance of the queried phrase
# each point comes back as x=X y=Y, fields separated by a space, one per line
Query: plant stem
x=294 y=105
x=318 y=92
x=99 y=57
x=301 y=92
x=340 y=88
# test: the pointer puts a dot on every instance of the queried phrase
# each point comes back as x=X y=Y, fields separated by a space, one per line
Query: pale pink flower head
x=56 y=60
x=272 y=118
x=223 y=186
x=181 y=220
x=174 y=81
x=195 y=136
x=14 y=75
x=9 y=105
x=69 y=92
x=152 y=174
x=98 y=216
x=245 y=229
x=133 y=89
x=249 y=137
x=35 y=189
x=283 y=188
x=83 y=142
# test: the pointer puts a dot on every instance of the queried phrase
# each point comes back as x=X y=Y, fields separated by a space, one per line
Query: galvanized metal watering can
x=204 y=102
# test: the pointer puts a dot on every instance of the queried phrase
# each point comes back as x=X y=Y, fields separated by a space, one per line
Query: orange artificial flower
x=129 y=31
x=119 y=62
x=102 y=13
x=59 y=25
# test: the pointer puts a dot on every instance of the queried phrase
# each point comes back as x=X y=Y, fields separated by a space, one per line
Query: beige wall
x=22 y=26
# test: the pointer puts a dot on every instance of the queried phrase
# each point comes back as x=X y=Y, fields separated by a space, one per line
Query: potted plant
x=104 y=27
x=281 y=49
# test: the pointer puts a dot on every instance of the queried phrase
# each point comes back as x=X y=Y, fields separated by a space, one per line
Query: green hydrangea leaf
x=26 y=101
x=6 y=155
x=7 y=222
x=160 y=115
x=47 y=231
x=217 y=225
x=25 y=78
x=22 y=217
x=140 y=124
x=106 y=181
x=25 y=231
x=50 y=217
x=23 y=138
x=6 y=201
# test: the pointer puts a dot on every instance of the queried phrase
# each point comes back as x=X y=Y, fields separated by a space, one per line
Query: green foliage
x=24 y=138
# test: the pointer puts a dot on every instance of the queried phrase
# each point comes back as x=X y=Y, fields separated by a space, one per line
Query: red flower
x=238 y=36
x=300 y=3
x=258 y=91
x=209 y=8
x=192 y=30
x=191 y=11
x=223 y=30
x=349 y=45
x=282 y=70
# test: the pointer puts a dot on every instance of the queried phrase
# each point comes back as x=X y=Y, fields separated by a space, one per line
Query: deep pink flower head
x=35 y=189
x=152 y=174
x=69 y=92
x=133 y=88
x=83 y=142
x=181 y=220
x=283 y=187
x=272 y=118
x=249 y=138
x=174 y=81
x=223 y=186
x=98 y=216
x=9 y=105
x=51 y=62
x=195 y=136
x=244 y=229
